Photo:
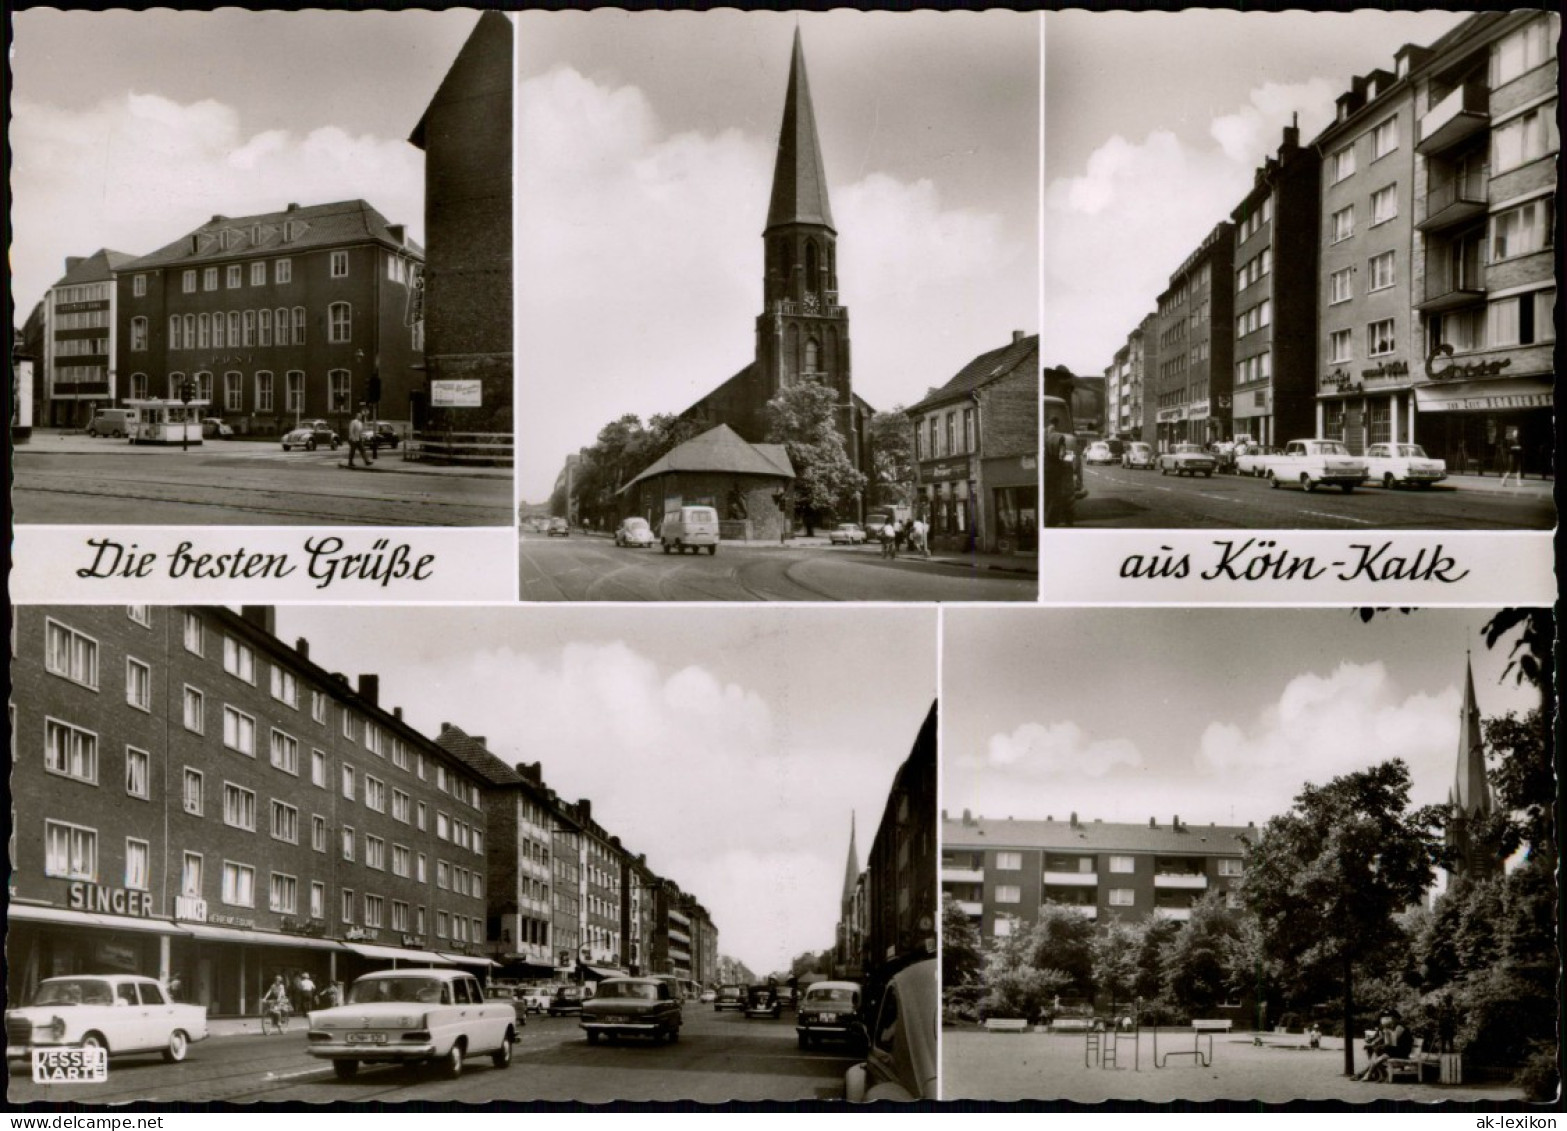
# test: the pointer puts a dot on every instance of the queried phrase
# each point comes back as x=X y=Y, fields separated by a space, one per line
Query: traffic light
x=373 y=393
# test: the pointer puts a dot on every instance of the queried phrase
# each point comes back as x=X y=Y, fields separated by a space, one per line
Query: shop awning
x=468 y=960
x=397 y=954
x=29 y=913
x=1500 y=395
x=599 y=973
x=213 y=933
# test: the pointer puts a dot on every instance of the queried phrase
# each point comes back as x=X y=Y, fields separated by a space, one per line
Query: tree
x=962 y=955
x=1524 y=780
x=1326 y=879
x=1195 y=964
x=802 y=418
x=1114 y=952
x=892 y=454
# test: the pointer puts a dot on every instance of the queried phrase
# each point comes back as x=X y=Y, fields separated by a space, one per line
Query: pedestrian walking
x=889 y=539
x=919 y=538
x=356 y=439
x=305 y=987
x=176 y=987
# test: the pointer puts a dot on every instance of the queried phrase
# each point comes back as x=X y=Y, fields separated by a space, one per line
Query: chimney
x=292 y=207
x=302 y=646
x=263 y=617
x=340 y=677
x=968 y=818
x=72 y=262
x=1152 y=824
x=195 y=243
x=218 y=219
x=1176 y=823
x=585 y=807
x=370 y=688
x=399 y=233
x=397 y=713
x=1074 y=819
x=479 y=738
x=1018 y=336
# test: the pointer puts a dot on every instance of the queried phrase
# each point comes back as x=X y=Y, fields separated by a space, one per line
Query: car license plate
x=827 y=1018
x=367 y=1038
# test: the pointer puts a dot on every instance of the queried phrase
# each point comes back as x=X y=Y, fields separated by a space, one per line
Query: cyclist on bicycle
x=275 y=1005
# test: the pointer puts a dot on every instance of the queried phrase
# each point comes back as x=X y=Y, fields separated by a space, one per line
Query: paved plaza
x=1049 y=1066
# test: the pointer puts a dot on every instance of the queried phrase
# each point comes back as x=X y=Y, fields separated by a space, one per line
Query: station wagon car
x=122 y=1013
x=633 y=1007
x=1403 y=465
x=828 y=1011
x=392 y=1016
x=1188 y=459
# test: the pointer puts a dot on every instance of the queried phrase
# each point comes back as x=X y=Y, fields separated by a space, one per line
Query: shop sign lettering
x=115 y=901
x=191 y=908
x=1456 y=371
x=232 y=921
x=1385 y=370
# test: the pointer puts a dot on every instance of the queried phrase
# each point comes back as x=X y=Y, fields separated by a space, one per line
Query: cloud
x=1116 y=229
x=1059 y=749
x=640 y=265
x=137 y=171
x=691 y=768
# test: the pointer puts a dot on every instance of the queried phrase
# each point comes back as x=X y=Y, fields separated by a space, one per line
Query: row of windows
x=65 y=374
x=1381 y=338
x=1013 y=862
x=81 y=292
x=82 y=320
x=1253 y=223
x=1254 y=319
x=1384 y=140
x=1528 y=137
x=1254 y=268
x=234 y=275
x=81 y=347
x=942 y=438
x=238 y=328
x=1259 y=368
x=1517 y=320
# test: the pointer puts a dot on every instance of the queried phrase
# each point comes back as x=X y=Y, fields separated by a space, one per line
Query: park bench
x=1071 y=1025
x=1416 y=1064
x=1212 y=1025
x=1006 y=1025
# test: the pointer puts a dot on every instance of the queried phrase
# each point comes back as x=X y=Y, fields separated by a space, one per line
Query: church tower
x=1470 y=796
x=803 y=330
x=848 y=942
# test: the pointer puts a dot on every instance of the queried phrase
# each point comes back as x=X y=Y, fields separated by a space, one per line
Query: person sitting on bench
x=1392 y=1041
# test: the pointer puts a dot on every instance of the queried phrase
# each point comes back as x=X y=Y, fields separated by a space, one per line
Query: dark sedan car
x=762 y=1001
x=567 y=1000
x=729 y=997
x=632 y=1007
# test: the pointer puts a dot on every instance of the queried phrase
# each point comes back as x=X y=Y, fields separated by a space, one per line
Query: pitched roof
x=987 y=367
x=99 y=267
x=978 y=832
x=799 y=177
x=1471 y=791
x=311 y=226
x=720 y=449
x=473 y=754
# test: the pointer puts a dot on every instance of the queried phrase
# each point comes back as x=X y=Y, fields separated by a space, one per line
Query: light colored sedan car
x=1188 y=459
x=1403 y=465
x=122 y=1013
x=412 y=1015
x=828 y=1011
x=634 y=532
x=1098 y=452
x=1138 y=455
x=847 y=534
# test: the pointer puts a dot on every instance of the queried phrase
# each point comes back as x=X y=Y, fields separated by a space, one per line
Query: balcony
x=677 y=935
x=1176 y=914
x=1445 y=292
x=951 y=875
x=971 y=909
x=679 y=917
x=1072 y=879
x=1455 y=200
x=1458 y=117
x=1086 y=910
x=1178 y=881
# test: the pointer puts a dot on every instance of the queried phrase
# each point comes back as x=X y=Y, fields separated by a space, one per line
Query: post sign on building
x=190 y=908
x=445 y=393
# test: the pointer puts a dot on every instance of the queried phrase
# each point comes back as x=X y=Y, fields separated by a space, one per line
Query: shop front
x=228 y=967
x=1494 y=426
x=1012 y=524
x=1375 y=406
x=48 y=942
x=947 y=494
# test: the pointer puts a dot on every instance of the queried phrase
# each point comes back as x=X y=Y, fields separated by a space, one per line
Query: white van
x=692 y=527
x=111 y=422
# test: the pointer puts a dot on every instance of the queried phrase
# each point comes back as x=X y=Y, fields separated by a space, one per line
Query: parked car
x=116 y=422
x=1315 y=463
x=729 y=997
x=413 y=1015
x=633 y=1007
x=1403 y=465
x=690 y=528
x=566 y=1000
x=1098 y=452
x=1187 y=459
x=1254 y=460
x=762 y=1001
x=383 y=434
x=512 y=997
x=708 y=995
x=634 y=532
x=829 y=1011
x=1223 y=452
x=900 y=1064
x=310 y=435
x=536 y=998
x=558 y=528
x=121 y=1013
x=1138 y=454
x=214 y=429
x=847 y=534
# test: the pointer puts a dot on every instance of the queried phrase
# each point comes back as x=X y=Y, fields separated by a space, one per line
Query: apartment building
x=79 y=340
x=1196 y=344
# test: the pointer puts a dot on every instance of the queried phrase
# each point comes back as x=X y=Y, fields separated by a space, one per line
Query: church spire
x=851 y=875
x=1471 y=791
x=799 y=177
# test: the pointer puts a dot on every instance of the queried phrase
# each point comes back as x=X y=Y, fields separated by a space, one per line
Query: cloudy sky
x=132 y=128
x=1154 y=123
x=1214 y=715
x=646 y=147
x=729 y=745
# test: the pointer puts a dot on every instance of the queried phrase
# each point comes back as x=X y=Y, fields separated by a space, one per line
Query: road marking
x=1340 y=517
x=292 y=1075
